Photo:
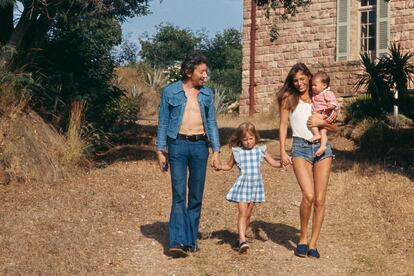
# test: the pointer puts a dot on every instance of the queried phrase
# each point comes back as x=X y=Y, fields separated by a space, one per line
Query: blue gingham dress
x=249 y=185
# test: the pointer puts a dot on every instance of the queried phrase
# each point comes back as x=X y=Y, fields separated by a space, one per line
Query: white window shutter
x=342 y=30
x=383 y=29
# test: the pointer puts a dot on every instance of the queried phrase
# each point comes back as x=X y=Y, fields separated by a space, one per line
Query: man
x=186 y=126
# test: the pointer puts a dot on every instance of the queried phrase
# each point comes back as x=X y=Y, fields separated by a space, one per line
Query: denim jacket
x=173 y=101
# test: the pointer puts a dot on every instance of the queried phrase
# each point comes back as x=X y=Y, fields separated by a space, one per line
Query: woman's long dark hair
x=288 y=95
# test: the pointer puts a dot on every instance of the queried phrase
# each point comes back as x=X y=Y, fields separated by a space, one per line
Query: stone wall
x=310 y=37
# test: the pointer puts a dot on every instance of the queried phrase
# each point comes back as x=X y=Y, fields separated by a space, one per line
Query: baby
x=324 y=104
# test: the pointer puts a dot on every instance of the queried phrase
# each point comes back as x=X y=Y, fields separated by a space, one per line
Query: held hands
x=215 y=161
x=285 y=159
x=162 y=161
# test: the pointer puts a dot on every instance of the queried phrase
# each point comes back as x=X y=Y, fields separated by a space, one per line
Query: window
x=362 y=27
x=368 y=31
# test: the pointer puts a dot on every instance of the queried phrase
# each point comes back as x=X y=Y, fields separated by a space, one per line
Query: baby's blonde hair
x=325 y=79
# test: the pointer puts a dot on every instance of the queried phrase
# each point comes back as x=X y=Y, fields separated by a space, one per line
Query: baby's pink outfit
x=320 y=102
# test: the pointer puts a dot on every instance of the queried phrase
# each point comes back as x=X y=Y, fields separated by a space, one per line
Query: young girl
x=249 y=187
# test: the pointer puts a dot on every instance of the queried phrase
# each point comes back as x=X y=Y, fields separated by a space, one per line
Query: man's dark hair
x=190 y=63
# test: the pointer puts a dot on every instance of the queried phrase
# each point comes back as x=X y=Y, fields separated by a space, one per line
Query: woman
x=311 y=171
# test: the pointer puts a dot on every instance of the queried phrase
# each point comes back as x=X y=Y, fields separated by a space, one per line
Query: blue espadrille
x=301 y=250
x=313 y=253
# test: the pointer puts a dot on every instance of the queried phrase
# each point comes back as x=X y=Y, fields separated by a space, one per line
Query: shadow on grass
x=130 y=144
x=137 y=143
x=282 y=234
x=279 y=233
x=159 y=232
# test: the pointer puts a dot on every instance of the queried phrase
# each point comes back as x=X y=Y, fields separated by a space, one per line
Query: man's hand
x=162 y=160
x=215 y=161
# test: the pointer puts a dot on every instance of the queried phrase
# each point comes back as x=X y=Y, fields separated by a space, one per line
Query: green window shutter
x=342 y=30
x=383 y=29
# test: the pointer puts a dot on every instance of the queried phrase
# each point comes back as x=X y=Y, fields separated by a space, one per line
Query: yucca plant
x=372 y=78
x=155 y=79
x=220 y=96
x=397 y=68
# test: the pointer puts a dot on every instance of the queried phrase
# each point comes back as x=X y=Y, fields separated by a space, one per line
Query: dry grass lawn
x=113 y=220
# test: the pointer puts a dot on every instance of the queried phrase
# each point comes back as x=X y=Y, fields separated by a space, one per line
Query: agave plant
x=155 y=79
x=219 y=98
x=373 y=80
x=397 y=68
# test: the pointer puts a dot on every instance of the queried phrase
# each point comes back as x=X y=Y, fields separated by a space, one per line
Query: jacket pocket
x=175 y=106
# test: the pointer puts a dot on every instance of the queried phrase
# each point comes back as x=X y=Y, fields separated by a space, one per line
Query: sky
x=211 y=15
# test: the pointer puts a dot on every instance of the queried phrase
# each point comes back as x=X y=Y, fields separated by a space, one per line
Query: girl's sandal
x=243 y=247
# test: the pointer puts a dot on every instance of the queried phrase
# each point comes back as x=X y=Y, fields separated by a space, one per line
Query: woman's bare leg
x=303 y=172
x=321 y=172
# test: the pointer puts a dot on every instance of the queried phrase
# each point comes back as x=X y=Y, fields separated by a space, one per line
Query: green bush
x=361 y=108
x=381 y=77
x=123 y=110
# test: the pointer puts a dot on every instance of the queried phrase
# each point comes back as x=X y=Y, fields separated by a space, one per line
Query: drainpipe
x=252 y=55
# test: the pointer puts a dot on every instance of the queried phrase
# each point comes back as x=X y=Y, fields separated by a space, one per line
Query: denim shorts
x=305 y=149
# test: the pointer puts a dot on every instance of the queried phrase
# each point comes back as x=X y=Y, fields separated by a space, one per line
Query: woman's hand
x=162 y=160
x=316 y=120
x=285 y=159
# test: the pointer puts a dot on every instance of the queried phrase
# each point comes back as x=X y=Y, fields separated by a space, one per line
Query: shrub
x=122 y=110
x=220 y=98
x=361 y=108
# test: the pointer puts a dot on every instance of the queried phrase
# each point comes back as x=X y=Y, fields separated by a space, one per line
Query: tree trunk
x=6 y=23
x=26 y=20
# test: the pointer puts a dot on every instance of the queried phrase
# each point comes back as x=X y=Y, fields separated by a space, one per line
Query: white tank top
x=298 y=118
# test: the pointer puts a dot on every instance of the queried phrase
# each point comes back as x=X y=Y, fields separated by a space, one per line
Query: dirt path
x=114 y=221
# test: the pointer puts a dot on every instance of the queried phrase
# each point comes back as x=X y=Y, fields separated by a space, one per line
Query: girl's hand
x=285 y=159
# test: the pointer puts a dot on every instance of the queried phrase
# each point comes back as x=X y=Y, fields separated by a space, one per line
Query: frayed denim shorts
x=305 y=149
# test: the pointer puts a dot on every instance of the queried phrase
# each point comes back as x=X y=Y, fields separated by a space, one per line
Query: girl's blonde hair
x=288 y=95
x=238 y=135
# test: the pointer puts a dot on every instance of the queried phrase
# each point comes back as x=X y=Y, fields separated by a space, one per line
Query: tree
x=128 y=52
x=224 y=52
x=67 y=46
x=281 y=9
x=169 y=45
x=38 y=16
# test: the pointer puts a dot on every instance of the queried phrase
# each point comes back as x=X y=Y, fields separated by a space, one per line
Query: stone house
x=327 y=35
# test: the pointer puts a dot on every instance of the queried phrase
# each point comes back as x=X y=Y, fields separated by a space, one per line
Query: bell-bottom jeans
x=186 y=156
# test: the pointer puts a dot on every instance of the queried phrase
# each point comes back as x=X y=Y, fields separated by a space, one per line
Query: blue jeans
x=306 y=150
x=185 y=155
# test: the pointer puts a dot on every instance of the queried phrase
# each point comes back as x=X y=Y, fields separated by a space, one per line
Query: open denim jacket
x=173 y=101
